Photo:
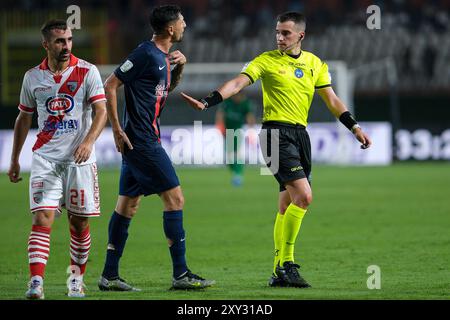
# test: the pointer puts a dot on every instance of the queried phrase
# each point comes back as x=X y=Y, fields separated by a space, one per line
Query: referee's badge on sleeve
x=127 y=65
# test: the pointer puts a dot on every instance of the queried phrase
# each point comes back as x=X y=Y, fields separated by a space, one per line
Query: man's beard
x=180 y=38
x=61 y=57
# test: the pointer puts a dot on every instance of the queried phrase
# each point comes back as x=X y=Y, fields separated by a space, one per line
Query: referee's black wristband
x=347 y=120
x=212 y=99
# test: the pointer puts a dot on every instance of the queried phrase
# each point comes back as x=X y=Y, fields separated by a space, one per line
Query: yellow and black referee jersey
x=288 y=84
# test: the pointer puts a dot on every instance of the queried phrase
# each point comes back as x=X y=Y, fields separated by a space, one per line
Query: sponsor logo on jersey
x=43 y=89
x=61 y=125
x=297 y=64
x=298 y=73
x=60 y=104
x=160 y=90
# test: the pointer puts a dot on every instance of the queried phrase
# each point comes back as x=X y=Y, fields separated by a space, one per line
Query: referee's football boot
x=275 y=281
x=289 y=273
x=116 y=284
x=191 y=281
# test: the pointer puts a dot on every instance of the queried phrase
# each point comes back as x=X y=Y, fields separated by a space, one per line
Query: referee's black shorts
x=294 y=151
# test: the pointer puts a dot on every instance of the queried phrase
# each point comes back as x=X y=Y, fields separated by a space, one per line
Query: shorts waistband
x=284 y=124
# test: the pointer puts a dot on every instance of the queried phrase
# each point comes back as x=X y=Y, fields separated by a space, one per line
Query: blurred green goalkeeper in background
x=233 y=114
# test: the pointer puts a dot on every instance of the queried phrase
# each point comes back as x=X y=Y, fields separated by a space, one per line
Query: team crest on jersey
x=60 y=104
x=72 y=85
x=298 y=73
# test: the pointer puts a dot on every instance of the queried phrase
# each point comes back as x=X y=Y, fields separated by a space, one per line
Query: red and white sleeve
x=27 y=101
x=94 y=85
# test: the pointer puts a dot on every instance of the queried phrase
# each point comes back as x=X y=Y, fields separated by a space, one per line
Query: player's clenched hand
x=177 y=57
x=194 y=103
x=120 y=138
x=363 y=138
x=83 y=152
x=14 y=172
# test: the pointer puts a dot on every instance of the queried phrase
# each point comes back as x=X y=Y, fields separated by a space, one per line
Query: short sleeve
x=324 y=78
x=133 y=66
x=27 y=101
x=254 y=69
x=95 y=91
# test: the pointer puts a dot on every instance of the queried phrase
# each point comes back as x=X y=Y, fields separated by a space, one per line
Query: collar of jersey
x=283 y=53
x=72 y=63
x=154 y=44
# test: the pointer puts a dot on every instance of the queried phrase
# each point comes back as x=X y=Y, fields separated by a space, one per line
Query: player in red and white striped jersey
x=63 y=90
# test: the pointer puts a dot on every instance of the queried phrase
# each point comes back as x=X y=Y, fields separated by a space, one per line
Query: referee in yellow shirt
x=289 y=77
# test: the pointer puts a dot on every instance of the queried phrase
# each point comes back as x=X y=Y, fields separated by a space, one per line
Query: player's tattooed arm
x=179 y=59
x=175 y=77
x=112 y=84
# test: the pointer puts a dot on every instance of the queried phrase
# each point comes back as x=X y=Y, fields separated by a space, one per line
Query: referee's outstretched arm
x=228 y=89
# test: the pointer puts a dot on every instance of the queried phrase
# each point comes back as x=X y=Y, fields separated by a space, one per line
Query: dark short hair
x=52 y=25
x=296 y=17
x=161 y=16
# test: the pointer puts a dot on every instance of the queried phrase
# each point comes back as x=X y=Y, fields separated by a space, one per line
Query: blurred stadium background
x=395 y=79
x=399 y=74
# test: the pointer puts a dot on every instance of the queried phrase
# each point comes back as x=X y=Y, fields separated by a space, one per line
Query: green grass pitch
x=395 y=217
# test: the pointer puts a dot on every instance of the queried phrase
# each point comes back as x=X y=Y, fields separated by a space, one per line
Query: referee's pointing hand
x=194 y=103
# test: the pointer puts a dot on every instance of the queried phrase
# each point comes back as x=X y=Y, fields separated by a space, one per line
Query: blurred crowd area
x=415 y=33
x=230 y=20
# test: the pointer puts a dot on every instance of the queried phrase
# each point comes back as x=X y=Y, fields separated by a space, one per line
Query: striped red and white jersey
x=63 y=103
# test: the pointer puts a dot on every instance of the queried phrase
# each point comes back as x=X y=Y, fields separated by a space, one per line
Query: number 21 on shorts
x=77 y=197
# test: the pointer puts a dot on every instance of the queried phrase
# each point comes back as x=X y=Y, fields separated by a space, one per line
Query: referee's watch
x=356 y=126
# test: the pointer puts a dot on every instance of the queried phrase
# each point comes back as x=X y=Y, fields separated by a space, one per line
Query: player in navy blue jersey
x=146 y=168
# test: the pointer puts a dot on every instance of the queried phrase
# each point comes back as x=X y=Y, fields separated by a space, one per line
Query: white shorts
x=54 y=185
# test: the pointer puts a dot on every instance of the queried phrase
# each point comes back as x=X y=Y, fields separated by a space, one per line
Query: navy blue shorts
x=146 y=170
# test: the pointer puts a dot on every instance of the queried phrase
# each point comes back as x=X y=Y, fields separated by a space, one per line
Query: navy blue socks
x=118 y=234
x=173 y=229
